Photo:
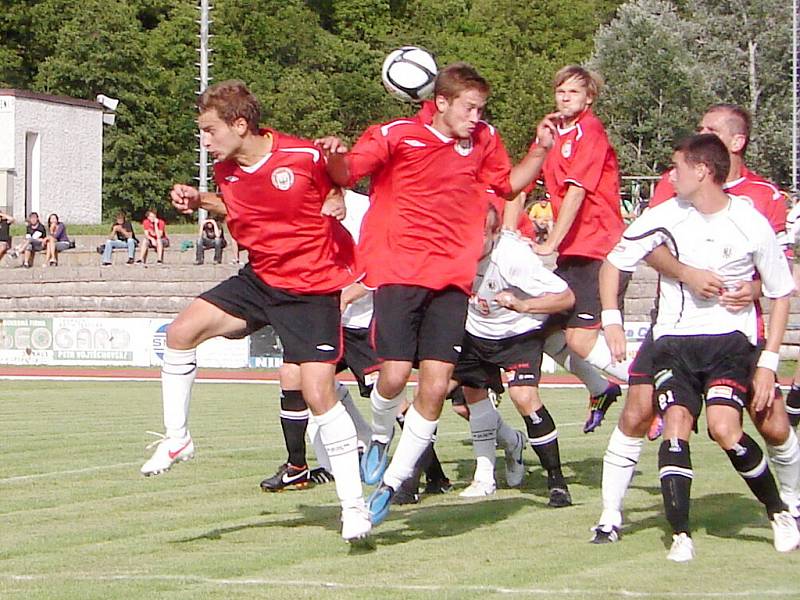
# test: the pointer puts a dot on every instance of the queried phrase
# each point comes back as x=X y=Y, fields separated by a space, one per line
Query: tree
x=655 y=87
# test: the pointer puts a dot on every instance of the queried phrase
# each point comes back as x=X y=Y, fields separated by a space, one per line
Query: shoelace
x=161 y=438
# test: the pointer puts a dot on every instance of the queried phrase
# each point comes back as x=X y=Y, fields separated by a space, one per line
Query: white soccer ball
x=409 y=73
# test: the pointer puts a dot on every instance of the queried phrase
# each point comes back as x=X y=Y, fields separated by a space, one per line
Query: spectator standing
x=155 y=231
x=211 y=236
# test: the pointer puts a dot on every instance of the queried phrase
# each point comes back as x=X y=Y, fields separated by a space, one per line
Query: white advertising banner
x=27 y=340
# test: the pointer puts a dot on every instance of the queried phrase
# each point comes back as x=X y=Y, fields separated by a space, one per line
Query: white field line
x=18 y=478
x=399 y=587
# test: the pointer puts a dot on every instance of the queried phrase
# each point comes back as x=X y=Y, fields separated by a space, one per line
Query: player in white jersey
x=513 y=293
x=704 y=352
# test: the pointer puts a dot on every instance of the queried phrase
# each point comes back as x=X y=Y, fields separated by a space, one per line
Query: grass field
x=78 y=521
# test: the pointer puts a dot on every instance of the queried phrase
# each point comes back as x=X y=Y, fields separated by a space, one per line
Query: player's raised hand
x=331 y=145
x=185 y=198
x=334 y=205
x=546 y=131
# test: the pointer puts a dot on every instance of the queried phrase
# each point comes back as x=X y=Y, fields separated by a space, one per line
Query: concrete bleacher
x=79 y=286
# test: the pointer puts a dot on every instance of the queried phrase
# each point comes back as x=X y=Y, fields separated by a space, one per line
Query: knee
x=725 y=433
x=392 y=382
x=638 y=412
x=181 y=335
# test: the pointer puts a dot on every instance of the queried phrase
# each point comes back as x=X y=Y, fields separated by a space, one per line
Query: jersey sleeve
x=496 y=167
x=640 y=238
x=663 y=192
x=369 y=153
x=586 y=167
x=771 y=263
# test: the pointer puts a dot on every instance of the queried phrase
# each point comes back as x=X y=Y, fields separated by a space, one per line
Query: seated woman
x=57 y=239
x=155 y=232
x=211 y=236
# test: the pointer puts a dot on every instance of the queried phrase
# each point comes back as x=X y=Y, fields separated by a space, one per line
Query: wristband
x=610 y=317
x=768 y=360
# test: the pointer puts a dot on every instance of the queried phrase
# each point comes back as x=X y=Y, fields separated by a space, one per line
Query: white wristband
x=611 y=317
x=769 y=360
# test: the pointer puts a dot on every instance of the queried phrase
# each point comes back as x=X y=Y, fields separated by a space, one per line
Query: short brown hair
x=591 y=80
x=706 y=149
x=739 y=121
x=232 y=100
x=460 y=76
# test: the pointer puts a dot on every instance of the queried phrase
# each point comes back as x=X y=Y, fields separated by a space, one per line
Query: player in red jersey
x=422 y=238
x=731 y=124
x=581 y=175
x=272 y=189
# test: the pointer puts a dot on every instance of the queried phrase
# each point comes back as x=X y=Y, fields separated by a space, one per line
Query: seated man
x=6 y=221
x=35 y=235
x=211 y=236
x=155 y=231
x=122 y=236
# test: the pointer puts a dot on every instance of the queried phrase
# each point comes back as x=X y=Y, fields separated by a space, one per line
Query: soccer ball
x=409 y=73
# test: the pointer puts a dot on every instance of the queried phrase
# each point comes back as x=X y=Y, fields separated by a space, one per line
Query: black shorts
x=308 y=325
x=360 y=358
x=641 y=369
x=481 y=359
x=416 y=323
x=692 y=369
x=583 y=278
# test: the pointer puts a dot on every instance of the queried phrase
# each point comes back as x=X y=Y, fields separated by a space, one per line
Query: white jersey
x=733 y=243
x=793 y=224
x=358 y=314
x=512 y=265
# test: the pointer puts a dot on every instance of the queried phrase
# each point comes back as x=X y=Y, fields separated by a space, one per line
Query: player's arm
x=335 y=150
x=513 y=209
x=766 y=371
x=545 y=304
x=611 y=316
x=700 y=282
x=570 y=206
x=530 y=166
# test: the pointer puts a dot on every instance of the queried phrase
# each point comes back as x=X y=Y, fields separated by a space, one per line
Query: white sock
x=619 y=462
x=506 y=435
x=363 y=430
x=177 y=376
x=312 y=431
x=417 y=434
x=600 y=357
x=483 y=426
x=338 y=434
x=384 y=411
x=785 y=461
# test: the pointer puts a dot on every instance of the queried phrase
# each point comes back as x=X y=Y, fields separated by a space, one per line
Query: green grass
x=80 y=522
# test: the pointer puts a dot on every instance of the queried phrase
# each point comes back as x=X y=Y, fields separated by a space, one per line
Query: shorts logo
x=585 y=316
x=721 y=392
x=325 y=348
x=464 y=147
x=231 y=179
x=566 y=149
x=283 y=178
x=457 y=349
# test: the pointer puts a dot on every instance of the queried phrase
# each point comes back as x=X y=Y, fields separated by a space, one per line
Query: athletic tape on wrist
x=611 y=317
x=769 y=360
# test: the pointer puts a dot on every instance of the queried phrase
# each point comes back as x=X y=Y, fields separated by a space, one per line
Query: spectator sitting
x=541 y=214
x=155 y=231
x=35 y=238
x=122 y=236
x=211 y=236
x=57 y=239
x=6 y=221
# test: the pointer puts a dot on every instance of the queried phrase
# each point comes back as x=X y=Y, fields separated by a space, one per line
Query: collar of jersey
x=438 y=133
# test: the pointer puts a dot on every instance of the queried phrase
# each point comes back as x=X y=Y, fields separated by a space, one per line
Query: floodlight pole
x=795 y=92
x=204 y=50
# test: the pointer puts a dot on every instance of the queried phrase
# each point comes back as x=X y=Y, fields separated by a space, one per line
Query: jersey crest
x=283 y=178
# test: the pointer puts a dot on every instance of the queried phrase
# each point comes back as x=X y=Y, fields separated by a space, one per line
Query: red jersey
x=583 y=156
x=425 y=224
x=150 y=228
x=273 y=212
x=763 y=195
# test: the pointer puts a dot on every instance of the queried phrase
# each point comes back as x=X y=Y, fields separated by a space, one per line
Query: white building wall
x=70 y=152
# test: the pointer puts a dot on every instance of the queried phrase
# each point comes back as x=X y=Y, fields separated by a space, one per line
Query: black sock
x=543 y=436
x=675 y=473
x=748 y=460
x=294 y=420
x=793 y=405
